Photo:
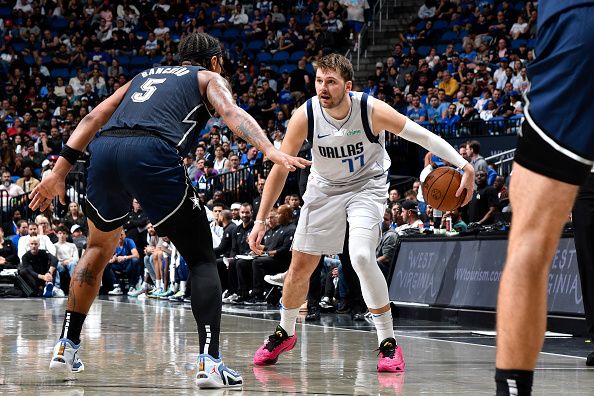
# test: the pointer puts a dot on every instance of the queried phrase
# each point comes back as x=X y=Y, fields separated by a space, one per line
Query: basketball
x=440 y=186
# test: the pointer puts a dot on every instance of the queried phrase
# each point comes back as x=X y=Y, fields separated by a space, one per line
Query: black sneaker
x=313 y=314
x=590 y=359
x=256 y=299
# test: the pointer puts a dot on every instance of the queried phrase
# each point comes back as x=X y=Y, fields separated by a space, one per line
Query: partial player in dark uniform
x=554 y=156
x=148 y=124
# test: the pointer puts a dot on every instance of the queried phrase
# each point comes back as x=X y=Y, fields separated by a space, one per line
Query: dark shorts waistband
x=124 y=132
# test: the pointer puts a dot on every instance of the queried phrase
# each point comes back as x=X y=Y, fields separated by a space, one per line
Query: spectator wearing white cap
x=235 y=206
x=78 y=238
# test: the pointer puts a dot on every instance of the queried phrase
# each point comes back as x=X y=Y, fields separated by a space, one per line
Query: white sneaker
x=66 y=357
x=276 y=280
x=212 y=373
x=57 y=292
x=231 y=299
x=137 y=292
x=179 y=296
x=116 y=291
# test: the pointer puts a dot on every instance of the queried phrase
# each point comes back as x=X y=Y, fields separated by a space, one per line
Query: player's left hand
x=287 y=161
x=467 y=184
x=255 y=238
x=52 y=185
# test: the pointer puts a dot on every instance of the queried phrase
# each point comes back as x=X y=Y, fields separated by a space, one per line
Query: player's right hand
x=42 y=195
x=287 y=161
x=256 y=237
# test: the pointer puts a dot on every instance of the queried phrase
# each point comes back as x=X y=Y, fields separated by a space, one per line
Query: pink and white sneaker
x=277 y=343
x=390 y=357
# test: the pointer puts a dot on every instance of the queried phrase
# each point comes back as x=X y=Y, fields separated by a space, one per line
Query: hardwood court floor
x=149 y=347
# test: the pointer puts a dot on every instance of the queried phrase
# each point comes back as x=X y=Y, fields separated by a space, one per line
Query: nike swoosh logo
x=323 y=136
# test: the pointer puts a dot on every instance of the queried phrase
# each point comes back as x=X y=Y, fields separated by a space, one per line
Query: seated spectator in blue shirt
x=451 y=119
x=469 y=54
x=371 y=88
x=251 y=158
x=416 y=112
x=125 y=259
x=433 y=113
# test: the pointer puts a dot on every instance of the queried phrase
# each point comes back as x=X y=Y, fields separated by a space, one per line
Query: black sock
x=72 y=326
x=513 y=382
x=206 y=307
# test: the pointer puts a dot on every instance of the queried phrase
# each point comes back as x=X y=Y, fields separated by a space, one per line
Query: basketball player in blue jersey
x=148 y=124
x=554 y=157
x=348 y=181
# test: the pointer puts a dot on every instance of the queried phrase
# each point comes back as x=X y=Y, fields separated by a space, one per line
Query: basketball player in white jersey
x=348 y=182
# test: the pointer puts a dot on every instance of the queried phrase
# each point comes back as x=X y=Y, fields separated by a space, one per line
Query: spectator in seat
x=136 y=225
x=241 y=246
x=278 y=253
x=223 y=253
x=410 y=216
x=22 y=229
x=416 y=111
x=78 y=238
x=27 y=182
x=11 y=194
x=299 y=81
x=458 y=224
x=475 y=157
x=385 y=251
x=393 y=196
x=8 y=257
x=45 y=227
x=75 y=216
x=251 y=158
x=448 y=84
x=38 y=269
x=43 y=242
x=295 y=204
x=66 y=253
x=125 y=259
x=484 y=204
x=451 y=119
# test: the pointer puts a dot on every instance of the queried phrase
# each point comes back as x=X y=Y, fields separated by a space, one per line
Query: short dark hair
x=63 y=229
x=475 y=146
x=222 y=205
x=337 y=63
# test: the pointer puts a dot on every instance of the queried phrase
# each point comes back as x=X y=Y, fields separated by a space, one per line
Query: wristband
x=69 y=154
x=263 y=222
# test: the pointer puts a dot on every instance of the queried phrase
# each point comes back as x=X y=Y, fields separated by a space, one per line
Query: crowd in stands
x=460 y=63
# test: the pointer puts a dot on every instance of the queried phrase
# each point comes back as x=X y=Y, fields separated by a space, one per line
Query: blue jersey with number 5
x=165 y=101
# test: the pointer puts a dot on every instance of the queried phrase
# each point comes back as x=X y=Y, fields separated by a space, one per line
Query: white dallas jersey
x=346 y=151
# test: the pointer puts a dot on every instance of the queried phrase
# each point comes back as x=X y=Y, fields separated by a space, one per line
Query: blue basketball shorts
x=124 y=167
x=557 y=137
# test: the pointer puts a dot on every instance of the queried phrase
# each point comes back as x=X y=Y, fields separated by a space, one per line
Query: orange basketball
x=440 y=186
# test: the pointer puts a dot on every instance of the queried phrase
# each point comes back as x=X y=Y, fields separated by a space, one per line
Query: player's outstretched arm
x=294 y=138
x=53 y=184
x=243 y=124
x=386 y=118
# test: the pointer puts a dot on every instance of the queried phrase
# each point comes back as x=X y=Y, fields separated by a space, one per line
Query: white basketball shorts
x=326 y=210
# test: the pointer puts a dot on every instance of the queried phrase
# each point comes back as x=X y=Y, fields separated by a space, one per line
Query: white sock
x=288 y=319
x=182 y=286
x=159 y=283
x=383 y=325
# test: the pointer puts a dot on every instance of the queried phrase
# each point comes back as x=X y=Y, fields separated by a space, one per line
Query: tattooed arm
x=240 y=122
